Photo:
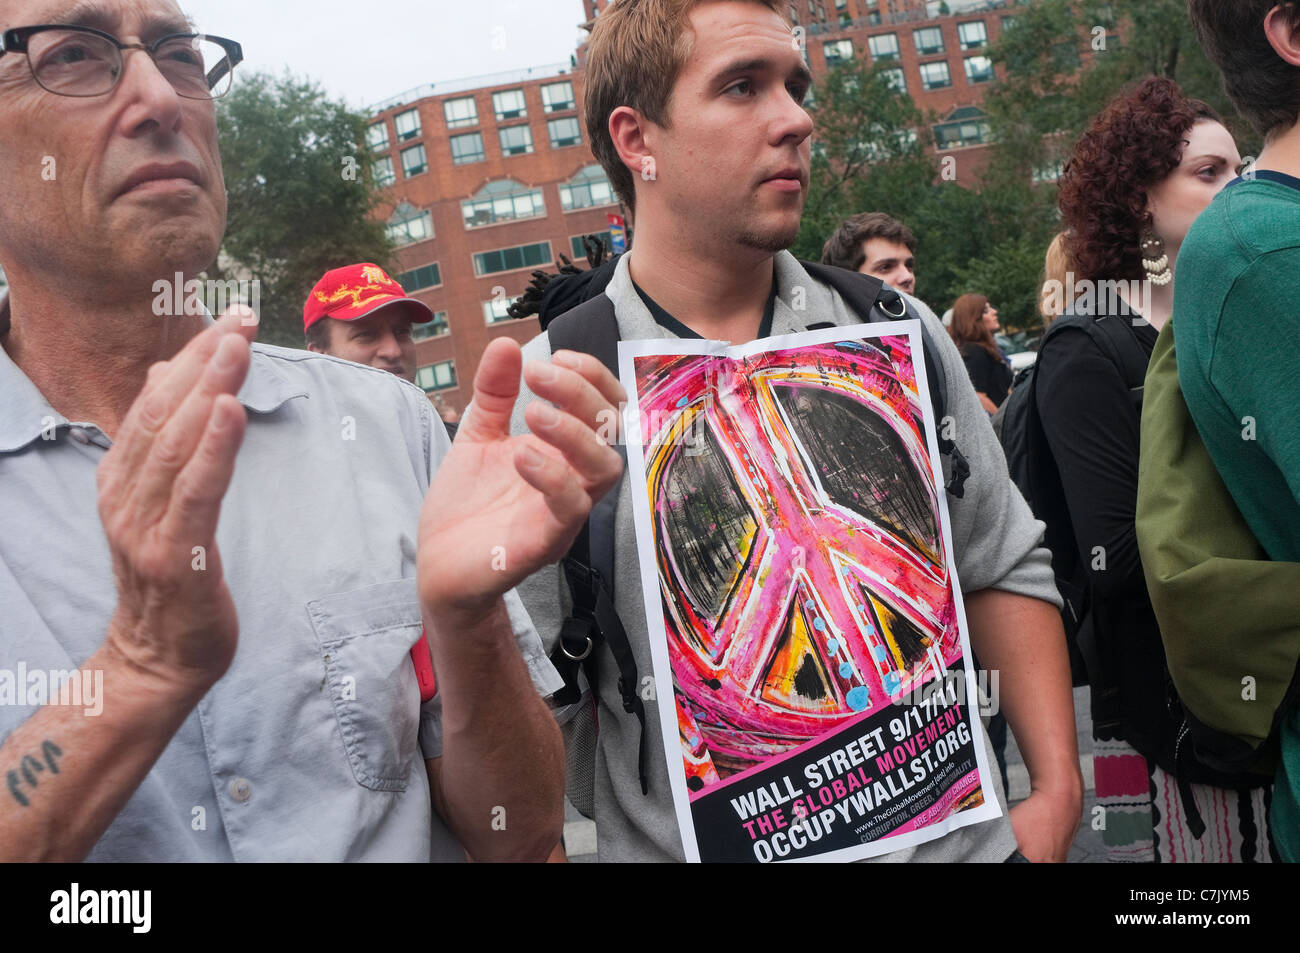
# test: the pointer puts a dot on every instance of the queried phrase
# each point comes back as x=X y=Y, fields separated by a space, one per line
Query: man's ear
x=1282 y=27
x=631 y=133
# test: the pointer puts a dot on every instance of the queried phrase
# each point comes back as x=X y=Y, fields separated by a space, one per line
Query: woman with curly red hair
x=973 y=322
x=1148 y=165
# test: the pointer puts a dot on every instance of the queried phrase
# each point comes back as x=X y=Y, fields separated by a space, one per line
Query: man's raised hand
x=160 y=493
x=502 y=507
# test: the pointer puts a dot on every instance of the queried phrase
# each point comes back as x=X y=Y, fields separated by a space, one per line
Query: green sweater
x=1237 y=302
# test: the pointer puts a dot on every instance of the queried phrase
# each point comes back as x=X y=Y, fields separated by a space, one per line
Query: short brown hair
x=847 y=247
x=319 y=334
x=1264 y=87
x=636 y=52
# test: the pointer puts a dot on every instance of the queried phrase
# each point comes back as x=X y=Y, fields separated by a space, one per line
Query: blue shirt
x=312 y=745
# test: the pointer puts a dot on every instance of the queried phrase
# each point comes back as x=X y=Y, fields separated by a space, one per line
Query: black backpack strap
x=1114 y=335
x=1047 y=496
x=872 y=301
x=592 y=328
x=1123 y=347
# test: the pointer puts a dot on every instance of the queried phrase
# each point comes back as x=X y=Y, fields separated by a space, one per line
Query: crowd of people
x=330 y=631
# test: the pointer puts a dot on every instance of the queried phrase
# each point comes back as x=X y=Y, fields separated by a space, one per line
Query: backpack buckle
x=573 y=633
x=583 y=579
x=576 y=658
x=889 y=300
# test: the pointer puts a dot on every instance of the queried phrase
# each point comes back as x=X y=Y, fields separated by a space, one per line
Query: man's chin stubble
x=770 y=242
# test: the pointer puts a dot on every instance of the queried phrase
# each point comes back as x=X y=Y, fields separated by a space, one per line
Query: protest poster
x=796 y=559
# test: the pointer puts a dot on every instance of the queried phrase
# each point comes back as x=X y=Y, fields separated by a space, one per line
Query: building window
x=884 y=46
x=502 y=201
x=979 y=69
x=460 y=112
x=896 y=79
x=437 y=376
x=580 y=253
x=414 y=161
x=516 y=140
x=427 y=277
x=837 y=51
x=509 y=104
x=495 y=310
x=408 y=125
x=510 y=259
x=409 y=225
x=564 y=132
x=467 y=148
x=967 y=126
x=384 y=174
x=973 y=35
x=935 y=75
x=929 y=40
x=557 y=97
x=431 y=329
x=377 y=136
x=588 y=188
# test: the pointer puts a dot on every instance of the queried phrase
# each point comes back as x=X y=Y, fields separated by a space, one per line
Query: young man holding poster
x=694 y=110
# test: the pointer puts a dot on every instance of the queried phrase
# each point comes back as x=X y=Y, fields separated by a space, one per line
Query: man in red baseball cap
x=360 y=314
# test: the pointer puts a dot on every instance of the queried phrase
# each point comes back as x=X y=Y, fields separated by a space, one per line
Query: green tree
x=1009 y=275
x=870 y=155
x=301 y=195
x=868 y=152
x=1049 y=95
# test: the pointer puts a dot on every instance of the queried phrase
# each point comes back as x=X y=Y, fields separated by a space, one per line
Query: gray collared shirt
x=312 y=745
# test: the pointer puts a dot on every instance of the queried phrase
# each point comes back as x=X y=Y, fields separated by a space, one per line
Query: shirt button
x=79 y=435
x=241 y=790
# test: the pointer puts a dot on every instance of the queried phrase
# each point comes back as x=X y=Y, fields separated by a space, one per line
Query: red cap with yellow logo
x=355 y=291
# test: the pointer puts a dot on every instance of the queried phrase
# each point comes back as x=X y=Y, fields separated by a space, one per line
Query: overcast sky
x=365 y=51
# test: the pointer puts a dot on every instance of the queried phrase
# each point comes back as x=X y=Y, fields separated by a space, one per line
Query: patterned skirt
x=1144 y=820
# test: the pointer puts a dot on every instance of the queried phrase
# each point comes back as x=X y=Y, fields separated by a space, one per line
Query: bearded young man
x=695 y=112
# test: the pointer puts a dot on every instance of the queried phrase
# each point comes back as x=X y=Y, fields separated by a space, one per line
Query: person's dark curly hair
x=1134 y=143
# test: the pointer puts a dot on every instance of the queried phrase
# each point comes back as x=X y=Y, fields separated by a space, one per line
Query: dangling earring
x=1154 y=260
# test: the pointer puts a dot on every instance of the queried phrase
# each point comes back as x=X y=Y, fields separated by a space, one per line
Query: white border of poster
x=628 y=351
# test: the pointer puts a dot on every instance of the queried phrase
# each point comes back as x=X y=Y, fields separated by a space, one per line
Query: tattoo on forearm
x=30 y=768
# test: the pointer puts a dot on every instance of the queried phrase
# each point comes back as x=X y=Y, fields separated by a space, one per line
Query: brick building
x=492 y=177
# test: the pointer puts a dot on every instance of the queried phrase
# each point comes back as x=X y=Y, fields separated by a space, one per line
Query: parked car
x=1017 y=348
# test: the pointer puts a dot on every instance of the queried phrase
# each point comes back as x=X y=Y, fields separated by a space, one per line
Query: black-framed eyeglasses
x=82 y=61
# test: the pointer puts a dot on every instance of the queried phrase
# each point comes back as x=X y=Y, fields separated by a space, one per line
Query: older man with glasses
x=217 y=559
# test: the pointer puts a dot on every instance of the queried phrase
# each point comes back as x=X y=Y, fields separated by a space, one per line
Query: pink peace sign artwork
x=797 y=541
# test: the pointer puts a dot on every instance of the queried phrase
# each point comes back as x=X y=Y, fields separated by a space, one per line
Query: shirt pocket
x=365 y=639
